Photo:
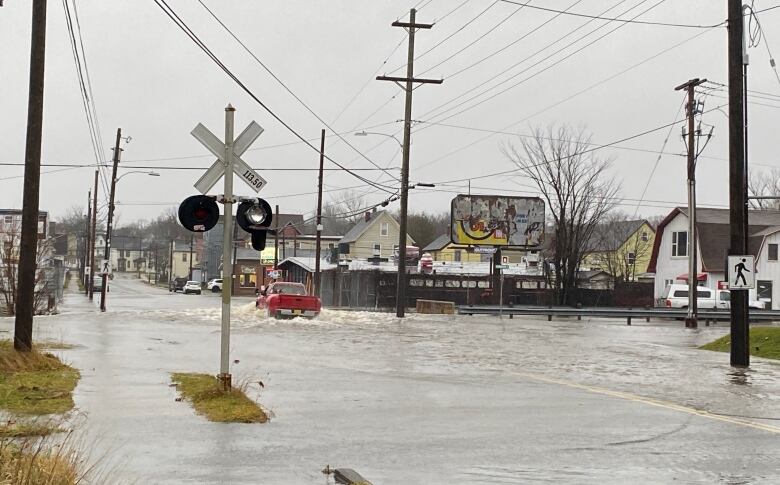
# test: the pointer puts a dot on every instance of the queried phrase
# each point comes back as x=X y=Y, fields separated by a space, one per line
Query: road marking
x=652 y=402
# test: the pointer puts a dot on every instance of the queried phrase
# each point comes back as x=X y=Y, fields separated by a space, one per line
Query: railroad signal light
x=199 y=213
x=255 y=216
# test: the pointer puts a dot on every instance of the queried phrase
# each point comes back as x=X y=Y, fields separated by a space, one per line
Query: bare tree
x=576 y=187
x=343 y=211
x=766 y=185
x=10 y=238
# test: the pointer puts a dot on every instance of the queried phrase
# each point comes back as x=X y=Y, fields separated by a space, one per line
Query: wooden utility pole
x=318 y=244
x=409 y=80
x=691 y=320
x=87 y=230
x=93 y=240
x=738 y=218
x=28 y=246
x=107 y=256
x=276 y=239
x=191 y=238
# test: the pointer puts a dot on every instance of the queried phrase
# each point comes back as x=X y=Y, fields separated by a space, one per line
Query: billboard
x=496 y=220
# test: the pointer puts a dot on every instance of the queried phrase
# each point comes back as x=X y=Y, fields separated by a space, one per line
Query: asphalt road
x=424 y=400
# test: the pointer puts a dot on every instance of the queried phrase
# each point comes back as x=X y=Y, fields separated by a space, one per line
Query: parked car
x=214 y=285
x=191 y=287
x=177 y=284
x=287 y=299
x=676 y=296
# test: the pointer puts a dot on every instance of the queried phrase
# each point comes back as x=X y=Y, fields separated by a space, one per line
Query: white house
x=669 y=260
x=768 y=269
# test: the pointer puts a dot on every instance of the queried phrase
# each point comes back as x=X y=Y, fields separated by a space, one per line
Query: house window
x=644 y=236
x=9 y=220
x=457 y=255
x=668 y=282
x=680 y=243
x=377 y=249
x=631 y=259
x=184 y=257
x=384 y=229
x=772 y=256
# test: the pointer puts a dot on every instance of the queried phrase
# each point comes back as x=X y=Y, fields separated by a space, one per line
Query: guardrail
x=707 y=315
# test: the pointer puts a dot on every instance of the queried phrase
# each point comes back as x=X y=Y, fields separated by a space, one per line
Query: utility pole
x=318 y=244
x=85 y=260
x=190 y=277
x=107 y=254
x=740 y=328
x=409 y=80
x=276 y=238
x=28 y=246
x=691 y=320
x=170 y=263
x=93 y=243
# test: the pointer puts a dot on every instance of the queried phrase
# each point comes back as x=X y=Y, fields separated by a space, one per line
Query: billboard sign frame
x=497 y=220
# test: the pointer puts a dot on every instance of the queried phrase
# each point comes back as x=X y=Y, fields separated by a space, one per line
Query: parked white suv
x=214 y=285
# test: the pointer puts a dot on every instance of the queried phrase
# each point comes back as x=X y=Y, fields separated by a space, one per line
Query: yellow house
x=621 y=248
x=442 y=249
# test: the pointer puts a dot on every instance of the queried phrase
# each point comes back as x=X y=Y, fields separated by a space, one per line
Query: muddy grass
x=764 y=342
x=207 y=397
x=35 y=383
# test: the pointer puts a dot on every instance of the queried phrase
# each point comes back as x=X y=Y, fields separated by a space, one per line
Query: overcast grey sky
x=616 y=79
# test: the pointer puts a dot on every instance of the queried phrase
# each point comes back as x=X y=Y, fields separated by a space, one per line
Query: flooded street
x=428 y=399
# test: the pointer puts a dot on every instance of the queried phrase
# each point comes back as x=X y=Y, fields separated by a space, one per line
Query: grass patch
x=34 y=382
x=42 y=461
x=24 y=429
x=208 y=398
x=764 y=342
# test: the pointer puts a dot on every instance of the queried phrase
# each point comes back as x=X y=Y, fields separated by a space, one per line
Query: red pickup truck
x=287 y=299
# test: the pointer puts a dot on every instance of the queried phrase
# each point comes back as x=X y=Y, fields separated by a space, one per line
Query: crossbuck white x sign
x=217 y=148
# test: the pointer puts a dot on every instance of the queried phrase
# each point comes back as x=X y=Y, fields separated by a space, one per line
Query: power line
x=286 y=88
x=596 y=17
x=459 y=51
x=457 y=31
x=183 y=26
x=555 y=63
x=589 y=150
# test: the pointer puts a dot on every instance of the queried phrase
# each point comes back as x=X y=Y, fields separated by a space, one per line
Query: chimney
x=368 y=216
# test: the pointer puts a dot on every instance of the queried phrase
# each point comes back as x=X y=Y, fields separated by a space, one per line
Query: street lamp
x=151 y=174
x=366 y=133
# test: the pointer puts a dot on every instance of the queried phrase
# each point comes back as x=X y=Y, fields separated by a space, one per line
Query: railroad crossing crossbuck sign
x=742 y=272
x=217 y=148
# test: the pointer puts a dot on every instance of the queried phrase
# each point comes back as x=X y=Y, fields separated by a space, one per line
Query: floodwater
x=426 y=399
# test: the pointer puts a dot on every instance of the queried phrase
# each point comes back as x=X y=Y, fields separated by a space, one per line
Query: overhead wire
x=192 y=36
x=286 y=88
x=537 y=73
x=632 y=21
x=470 y=44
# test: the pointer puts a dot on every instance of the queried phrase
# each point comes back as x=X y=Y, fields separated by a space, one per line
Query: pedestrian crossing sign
x=742 y=272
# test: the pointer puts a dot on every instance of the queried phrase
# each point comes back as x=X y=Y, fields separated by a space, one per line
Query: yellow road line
x=652 y=402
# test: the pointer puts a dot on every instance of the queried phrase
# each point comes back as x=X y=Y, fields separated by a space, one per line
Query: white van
x=676 y=296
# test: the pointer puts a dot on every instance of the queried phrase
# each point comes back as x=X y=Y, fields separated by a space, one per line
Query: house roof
x=714 y=234
x=308 y=264
x=439 y=243
x=609 y=237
